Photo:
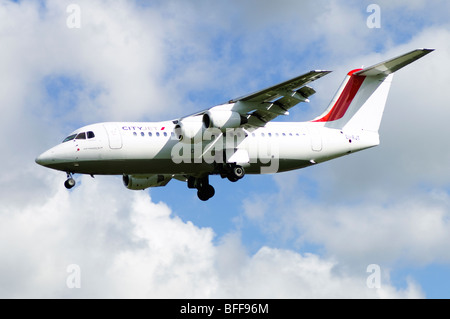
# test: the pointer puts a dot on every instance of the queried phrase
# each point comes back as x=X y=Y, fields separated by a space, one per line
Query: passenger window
x=134 y=133
x=157 y=133
x=165 y=133
x=81 y=136
x=90 y=134
x=142 y=133
x=150 y=134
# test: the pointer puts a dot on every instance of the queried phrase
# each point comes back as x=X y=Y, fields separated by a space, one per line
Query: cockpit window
x=81 y=136
x=69 y=138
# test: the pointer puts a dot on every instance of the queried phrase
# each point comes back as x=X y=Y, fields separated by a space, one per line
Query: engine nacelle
x=143 y=182
x=188 y=129
x=223 y=119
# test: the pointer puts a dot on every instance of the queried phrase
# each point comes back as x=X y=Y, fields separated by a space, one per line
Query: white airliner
x=234 y=138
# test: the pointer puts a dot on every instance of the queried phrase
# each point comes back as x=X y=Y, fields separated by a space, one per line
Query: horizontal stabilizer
x=395 y=64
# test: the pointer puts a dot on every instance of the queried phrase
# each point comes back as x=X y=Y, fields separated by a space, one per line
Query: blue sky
x=303 y=234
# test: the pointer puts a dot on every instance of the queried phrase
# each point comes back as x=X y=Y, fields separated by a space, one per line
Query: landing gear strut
x=70 y=182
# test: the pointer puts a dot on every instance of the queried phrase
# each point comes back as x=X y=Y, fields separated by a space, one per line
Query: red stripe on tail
x=345 y=99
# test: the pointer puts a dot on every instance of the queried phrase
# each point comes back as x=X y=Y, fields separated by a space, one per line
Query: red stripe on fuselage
x=345 y=99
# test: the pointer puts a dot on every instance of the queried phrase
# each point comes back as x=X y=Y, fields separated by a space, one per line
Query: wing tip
x=429 y=50
x=324 y=72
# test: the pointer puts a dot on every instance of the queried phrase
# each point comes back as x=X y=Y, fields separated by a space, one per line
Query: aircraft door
x=114 y=136
x=316 y=139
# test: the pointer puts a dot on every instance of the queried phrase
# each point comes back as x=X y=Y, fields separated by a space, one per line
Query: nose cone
x=46 y=158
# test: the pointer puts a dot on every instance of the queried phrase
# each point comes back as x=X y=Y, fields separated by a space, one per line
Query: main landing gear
x=70 y=182
x=205 y=191
x=233 y=172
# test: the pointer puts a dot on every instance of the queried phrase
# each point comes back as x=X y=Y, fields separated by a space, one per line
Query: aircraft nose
x=45 y=158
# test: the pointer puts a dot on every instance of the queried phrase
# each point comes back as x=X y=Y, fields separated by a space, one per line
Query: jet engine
x=143 y=182
x=223 y=119
x=188 y=129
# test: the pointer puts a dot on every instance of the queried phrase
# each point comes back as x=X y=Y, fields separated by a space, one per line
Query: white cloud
x=409 y=229
x=122 y=57
x=275 y=273
x=127 y=246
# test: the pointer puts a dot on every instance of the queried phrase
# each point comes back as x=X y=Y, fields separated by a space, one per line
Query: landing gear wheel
x=206 y=192
x=69 y=183
x=236 y=173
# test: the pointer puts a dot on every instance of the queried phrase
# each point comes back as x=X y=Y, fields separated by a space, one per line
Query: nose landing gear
x=70 y=182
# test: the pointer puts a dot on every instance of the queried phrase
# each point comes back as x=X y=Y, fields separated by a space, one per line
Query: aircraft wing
x=265 y=105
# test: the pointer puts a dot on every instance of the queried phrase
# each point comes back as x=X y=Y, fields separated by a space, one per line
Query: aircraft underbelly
x=164 y=166
x=137 y=166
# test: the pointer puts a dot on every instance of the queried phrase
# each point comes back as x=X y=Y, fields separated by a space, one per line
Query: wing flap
x=272 y=92
x=265 y=105
x=261 y=113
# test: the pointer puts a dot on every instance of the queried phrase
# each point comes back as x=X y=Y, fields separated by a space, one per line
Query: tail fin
x=359 y=102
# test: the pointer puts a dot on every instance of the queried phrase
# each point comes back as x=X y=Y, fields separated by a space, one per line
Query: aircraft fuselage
x=152 y=148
